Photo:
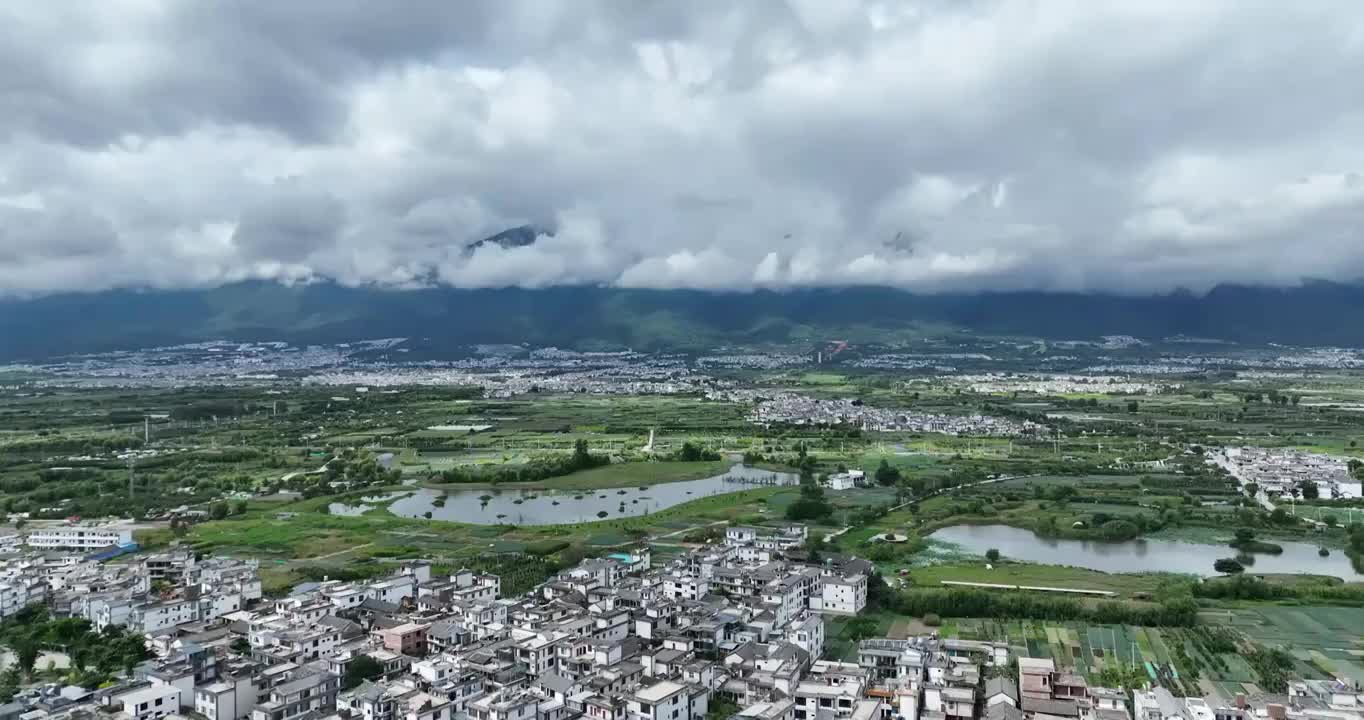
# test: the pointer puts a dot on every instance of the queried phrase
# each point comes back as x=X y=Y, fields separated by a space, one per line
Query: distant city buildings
x=795 y=409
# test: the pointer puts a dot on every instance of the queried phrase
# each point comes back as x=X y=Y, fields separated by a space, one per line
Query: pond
x=1142 y=555
x=561 y=507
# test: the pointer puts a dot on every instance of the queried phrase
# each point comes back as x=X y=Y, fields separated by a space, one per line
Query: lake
x=562 y=507
x=1142 y=555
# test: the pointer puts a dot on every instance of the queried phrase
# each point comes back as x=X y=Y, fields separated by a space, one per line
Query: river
x=561 y=507
x=1142 y=555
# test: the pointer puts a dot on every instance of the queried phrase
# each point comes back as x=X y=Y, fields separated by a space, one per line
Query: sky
x=1130 y=146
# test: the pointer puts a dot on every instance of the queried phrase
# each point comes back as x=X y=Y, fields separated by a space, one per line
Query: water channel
x=560 y=507
x=1141 y=555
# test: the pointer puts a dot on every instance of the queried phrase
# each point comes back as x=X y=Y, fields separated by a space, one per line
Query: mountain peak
x=519 y=236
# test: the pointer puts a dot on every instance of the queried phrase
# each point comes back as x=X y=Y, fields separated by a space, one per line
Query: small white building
x=845 y=480
x=151 y=703
x=840 y=595
x=668 y=700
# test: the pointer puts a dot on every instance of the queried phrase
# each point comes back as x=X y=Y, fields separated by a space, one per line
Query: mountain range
x=1317 y=313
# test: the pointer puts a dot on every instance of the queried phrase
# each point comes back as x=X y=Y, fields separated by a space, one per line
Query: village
x=734 y=629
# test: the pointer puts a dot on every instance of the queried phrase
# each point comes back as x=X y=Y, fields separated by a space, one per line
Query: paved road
x=1262 y=497
x=1220 y=459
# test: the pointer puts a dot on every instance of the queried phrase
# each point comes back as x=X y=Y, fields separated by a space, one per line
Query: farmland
x=1323 y=642
x=1101 y=467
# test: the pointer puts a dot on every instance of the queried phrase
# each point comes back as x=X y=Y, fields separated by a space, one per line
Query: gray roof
x=1003 y=711
x=554 y=681
x=1063 y=708
x=1001 y=686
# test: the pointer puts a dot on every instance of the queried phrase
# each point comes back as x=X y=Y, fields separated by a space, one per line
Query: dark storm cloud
x=1135 y=146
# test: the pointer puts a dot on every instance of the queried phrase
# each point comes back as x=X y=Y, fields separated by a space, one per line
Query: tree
x=861 y=627
x=1132 y=406
x=1252 y=489
x=1228 y=566
x=239 y=507
x=241 y=646
x=811 y=505
x=360 y=669
x=886 y=474
x=879 y=594
x=26 y=653
x=1244 y=535
x=992 y=555
x=1309 y=490
x=218 y=510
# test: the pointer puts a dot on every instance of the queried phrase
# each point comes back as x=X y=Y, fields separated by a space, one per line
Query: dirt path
x=328 y=556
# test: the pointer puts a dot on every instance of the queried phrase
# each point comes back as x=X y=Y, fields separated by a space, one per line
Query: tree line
x=967 y=602
x=534 y=470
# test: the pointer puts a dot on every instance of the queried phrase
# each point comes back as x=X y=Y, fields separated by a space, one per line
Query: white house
x=840 y=595
x=151 y=703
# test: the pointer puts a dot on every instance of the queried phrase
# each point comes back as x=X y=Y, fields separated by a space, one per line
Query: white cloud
x=1134 y=145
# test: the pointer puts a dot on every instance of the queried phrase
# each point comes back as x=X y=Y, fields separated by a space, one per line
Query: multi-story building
x=151 y=703
x=78 y=537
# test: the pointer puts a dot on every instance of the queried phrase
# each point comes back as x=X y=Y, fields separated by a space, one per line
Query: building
x=406 y=639
x=151 y=703
x=667 y=700
x=840 y=595
x=78 y=538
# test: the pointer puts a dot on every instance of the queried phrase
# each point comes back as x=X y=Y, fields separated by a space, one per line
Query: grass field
x=1010 y=573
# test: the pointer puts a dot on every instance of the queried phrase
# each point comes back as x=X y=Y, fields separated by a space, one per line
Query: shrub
x=1228 y=566
x=542 y=548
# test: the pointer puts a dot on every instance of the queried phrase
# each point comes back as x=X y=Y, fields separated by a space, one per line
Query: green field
x=1009 y=573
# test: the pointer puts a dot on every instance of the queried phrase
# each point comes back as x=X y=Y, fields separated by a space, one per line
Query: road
x=1222 y=460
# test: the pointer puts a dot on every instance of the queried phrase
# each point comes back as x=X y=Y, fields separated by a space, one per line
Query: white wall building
x=151 y=703
x=840 y=595
x=78 y=537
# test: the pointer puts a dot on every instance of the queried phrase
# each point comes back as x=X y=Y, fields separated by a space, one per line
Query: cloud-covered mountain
x=1132 y=146
x=601 y=317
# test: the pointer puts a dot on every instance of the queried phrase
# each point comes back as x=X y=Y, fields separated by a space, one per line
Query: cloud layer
x=1136 y=145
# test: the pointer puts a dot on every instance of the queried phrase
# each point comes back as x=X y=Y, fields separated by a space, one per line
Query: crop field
x=1197 y=660
x=1328 y=639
